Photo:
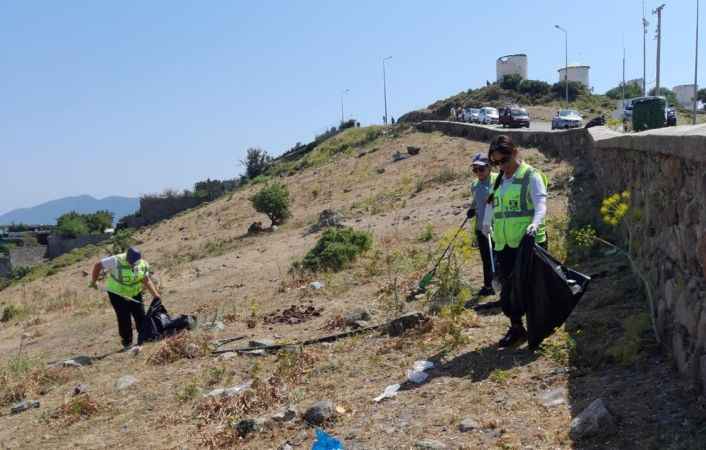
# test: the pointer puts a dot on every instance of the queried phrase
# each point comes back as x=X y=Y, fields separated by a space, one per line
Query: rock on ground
x=125 y=382
x=553 y=397
x=468 y=424
x=405 y=322
x=596 y=419
x=430 y=444
x=356 y=315
x=320 y=412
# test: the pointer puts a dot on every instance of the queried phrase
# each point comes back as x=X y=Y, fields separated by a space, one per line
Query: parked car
x=488 y=115
x=567 y=118
x=514 y=117
x=671 y=117
x=470 y=115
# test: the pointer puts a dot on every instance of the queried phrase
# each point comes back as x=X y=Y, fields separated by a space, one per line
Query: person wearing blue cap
x=480 y=189
x=128 y=276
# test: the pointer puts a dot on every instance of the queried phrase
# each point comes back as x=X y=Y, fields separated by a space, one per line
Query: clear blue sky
x=132 y=97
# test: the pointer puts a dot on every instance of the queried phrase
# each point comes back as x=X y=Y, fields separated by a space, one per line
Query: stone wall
x=154 y=209
x=665 y=171
x=27 y=256
x=58 y=245
x=5 y=267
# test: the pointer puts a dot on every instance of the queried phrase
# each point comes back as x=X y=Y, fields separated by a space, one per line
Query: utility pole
x=342 y=94
x=696 y=63
x=658 y=11
x=645 y=24
x=384 y=86
x=566 y=62
x=623 y=76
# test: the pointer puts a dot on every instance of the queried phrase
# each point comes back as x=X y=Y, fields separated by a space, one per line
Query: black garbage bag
x=159 y=324
x=544 y=289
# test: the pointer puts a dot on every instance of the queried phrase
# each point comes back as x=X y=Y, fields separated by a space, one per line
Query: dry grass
x=184 y=345
x=23 y=378
x=80 y=407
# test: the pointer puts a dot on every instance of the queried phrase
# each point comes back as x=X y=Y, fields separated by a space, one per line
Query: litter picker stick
x=490 y=250
x=121 y=296
x=426 y=279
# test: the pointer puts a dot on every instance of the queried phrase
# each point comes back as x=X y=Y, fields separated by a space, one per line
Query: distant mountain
x=47 y=213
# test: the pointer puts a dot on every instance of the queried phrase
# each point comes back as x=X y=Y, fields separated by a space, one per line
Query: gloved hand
x=532 y=229
x=471 y=213
x=93 y=285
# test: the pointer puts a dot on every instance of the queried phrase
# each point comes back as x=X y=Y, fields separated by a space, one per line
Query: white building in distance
x=576 y=72
x=685 y=95
x=511 y=65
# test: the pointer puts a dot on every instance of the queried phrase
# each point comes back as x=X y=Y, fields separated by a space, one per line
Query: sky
x=134 y=97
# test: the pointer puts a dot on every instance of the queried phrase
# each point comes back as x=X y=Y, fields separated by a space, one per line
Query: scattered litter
x=417 y=376
x=293 y=315
x=423 y=365
x=325 y=441
x=553 y=397
x=229 y=392
x=316 y=285
x=389 y=392
x=24 y=406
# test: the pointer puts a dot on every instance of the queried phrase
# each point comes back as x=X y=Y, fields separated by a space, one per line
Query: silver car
x=567 y=118
x=488 y=115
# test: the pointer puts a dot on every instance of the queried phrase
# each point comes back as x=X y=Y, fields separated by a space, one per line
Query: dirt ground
x=207 y=265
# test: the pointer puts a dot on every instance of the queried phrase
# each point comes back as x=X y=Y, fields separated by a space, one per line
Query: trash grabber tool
x=121 y=296
x=426 y=279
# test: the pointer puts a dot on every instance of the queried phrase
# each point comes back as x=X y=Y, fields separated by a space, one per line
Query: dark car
x=514 y=117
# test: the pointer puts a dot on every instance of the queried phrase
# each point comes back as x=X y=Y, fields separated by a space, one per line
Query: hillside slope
x=209 y=266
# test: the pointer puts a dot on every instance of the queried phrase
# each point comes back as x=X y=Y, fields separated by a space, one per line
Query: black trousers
x=485 y=255
x=506 y=262
x=124 y=310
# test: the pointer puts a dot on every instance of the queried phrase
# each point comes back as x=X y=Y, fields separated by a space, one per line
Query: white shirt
x=109 y=263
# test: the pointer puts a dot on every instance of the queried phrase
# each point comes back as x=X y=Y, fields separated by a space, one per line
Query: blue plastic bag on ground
x=325 y=441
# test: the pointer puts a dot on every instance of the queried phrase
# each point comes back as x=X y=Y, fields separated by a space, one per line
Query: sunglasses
x=499 y=162
x=479 y=169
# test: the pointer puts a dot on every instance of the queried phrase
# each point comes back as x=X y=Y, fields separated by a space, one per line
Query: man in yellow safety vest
x=128 y=276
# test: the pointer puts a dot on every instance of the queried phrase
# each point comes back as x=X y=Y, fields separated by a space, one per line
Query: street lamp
x=342 y=94
x=384 y=86
x=566 y=61
x=696 y=64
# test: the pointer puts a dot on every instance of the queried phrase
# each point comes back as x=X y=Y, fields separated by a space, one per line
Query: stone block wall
x=154 y=209
x=665 y=171
x=27 y=256
x=5 y=267
x=58 y=245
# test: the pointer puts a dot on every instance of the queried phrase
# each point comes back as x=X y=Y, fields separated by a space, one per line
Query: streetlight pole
x=645 y=24
x=658 y=11
x=384 y=86
x=566 y=62
x=696 y=63
x=342 y=94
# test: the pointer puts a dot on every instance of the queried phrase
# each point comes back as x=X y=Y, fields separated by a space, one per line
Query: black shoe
x=486 y=291
x=513 y=337
x=125 y=348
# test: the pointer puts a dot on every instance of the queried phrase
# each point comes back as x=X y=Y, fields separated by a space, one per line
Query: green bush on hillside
x=336 y=249
x=73 y=224
x=273 y=200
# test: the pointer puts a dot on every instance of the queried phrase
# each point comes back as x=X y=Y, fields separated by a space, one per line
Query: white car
x=488 y=115
x=470 y=115
x=567 y=118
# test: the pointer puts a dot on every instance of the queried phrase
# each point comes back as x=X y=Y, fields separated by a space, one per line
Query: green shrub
x=71 y=225
x=336 y=249
x=273 y=200
x=122 y=240
x=12 y=311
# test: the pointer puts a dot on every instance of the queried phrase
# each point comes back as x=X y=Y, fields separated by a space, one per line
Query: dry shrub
x=224 y=412
x=76 y=409
x=294 y=365
x=184 y=345
x=17 y=384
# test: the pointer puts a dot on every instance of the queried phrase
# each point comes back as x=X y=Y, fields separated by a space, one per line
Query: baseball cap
x=133 y=255
x=480 y=160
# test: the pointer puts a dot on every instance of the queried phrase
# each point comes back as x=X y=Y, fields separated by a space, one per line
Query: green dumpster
x=648 y=113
